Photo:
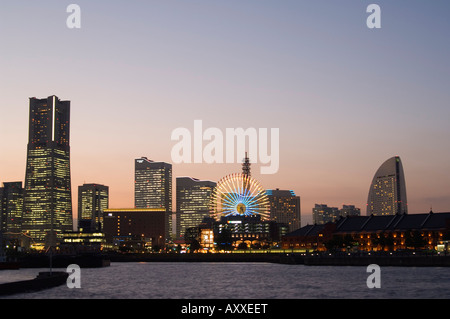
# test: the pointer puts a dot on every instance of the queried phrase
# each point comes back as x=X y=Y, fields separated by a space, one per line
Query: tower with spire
x=246 y=165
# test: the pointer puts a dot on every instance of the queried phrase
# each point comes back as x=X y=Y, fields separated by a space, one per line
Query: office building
x=284 y=207
x=349 y=210
x=11 y=206
x=153 y=187
x=193 y=200
x=136 y=228
x=47 y=204
x=153 y=184
x=387 y=193
x=323 y=214
x=93 y=199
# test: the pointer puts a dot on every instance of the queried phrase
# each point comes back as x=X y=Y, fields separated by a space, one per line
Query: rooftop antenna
x=246 y=165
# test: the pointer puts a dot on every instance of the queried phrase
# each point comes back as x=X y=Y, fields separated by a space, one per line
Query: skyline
x=344 y=97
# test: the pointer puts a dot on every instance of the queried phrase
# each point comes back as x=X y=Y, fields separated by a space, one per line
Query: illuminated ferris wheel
x=239 y=195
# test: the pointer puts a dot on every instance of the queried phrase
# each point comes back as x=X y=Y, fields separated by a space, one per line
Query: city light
x=239 y=195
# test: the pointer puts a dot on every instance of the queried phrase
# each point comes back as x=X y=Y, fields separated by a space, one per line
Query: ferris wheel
x=239 y=195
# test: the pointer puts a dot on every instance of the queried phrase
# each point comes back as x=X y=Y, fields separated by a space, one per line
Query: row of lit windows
x=238 y=235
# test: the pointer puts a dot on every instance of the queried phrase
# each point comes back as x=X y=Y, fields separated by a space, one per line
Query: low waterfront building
x=373 y=233
x=82 y=242
x=137 y=227
x=237 y=232
x=251 y=231
x=309 y=238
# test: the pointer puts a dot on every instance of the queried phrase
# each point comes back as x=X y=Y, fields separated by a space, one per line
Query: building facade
x=47 y=204
x=349 y=210
x=250 y=231
x=11 y=206
x=153 y=187
x=142 y=227
x=153 y=184
x=93 y=199
x=285 y=207
x=323 y=214
x=387 y=193
x=193 y=200
x=374 y=233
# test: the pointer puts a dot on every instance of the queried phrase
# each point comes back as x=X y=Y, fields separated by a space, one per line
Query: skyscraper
x=284 y=207
x=323 y=214
x=47 y=210
x=153 y=187
x=93 y=199
x=153 y=184
x=11 y=206
x=193 y=198
x=387 y=193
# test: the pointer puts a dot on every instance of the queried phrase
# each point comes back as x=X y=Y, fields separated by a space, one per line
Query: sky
x=344 y=97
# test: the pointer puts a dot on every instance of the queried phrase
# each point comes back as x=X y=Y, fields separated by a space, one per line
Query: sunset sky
x=344 y=97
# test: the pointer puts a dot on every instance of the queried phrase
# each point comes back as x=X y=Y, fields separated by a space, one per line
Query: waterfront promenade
x=404 y=259
x=396 y=259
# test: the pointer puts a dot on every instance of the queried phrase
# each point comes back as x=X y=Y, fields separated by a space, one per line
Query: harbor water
x=241 y=280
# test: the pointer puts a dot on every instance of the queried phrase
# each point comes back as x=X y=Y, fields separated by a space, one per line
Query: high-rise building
x=323 y=214
x=153 y=184
x=47 y=205
x=93 y=199
x=387 y=193
x=193 y=200
x=153 y=187
x=11 y=206
x=349 y=210
x=285 y=207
